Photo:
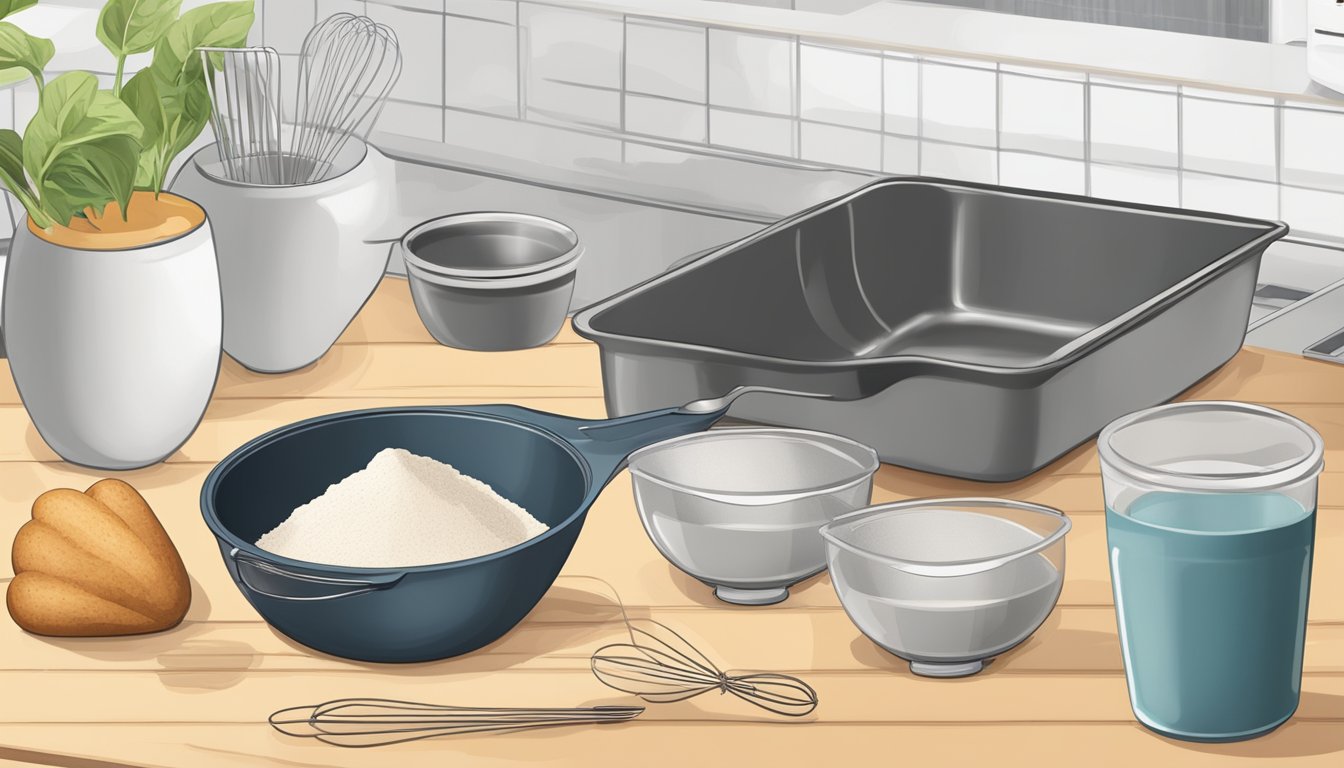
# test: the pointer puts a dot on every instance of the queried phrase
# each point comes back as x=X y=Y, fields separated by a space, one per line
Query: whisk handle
x=259 y=577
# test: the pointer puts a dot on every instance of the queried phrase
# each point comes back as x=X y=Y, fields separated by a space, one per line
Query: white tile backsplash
x=666 y=60
x=551 y=101
x=480 y=63
x=1041 y=115
x=890 y=112
x=835 y=145
x=1314 y=213
x=1226 y=96
x=755 y=133
x=1228 y=137
x=751 y=72
x=1041 y=73
x=418 y=121
x=900 y=95
x=420 y=35
x=571 y=45
x=840 y=87
x=952 y=161
x=257 y=34
x=512 y=138
x=1052 y=174
x=1155 y=186
x=900 y=155
x=1131 y=125
x=491 y=10
x=419 y=5
x=959 y=104
x=654 y=116
x=1239 y=197
x=1313 y=149
x=287 y=22
x=328 y=8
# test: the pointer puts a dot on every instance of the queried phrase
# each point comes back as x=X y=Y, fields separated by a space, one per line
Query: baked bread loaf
x=96 y=563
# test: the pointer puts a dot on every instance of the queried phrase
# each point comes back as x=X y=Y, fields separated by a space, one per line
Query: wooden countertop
x=199 y=695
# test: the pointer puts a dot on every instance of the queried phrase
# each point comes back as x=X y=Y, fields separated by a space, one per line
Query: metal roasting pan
x=976 y=331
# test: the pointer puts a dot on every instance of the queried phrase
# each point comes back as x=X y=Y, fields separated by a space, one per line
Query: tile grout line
x=998 y=124
x=708 y=139
x=882 y=115
x=521 y=59
x=919 y=116
x=1087 y=134
x=796 y=94
x=623 y=62
x=1180 y=146
x=443 y=86
x=1278 y=157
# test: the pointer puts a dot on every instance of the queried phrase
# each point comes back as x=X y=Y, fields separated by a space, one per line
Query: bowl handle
x=606 y=443
x=270 y=580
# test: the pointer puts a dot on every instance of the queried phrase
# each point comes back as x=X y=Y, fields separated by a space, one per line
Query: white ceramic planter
x=294 y=263
x=114 y=353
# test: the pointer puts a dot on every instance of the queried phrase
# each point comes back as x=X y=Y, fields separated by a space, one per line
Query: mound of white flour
x=402 y=510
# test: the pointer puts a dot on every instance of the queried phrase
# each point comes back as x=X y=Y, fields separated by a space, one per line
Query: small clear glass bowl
x=948 y=583
x=739 y=508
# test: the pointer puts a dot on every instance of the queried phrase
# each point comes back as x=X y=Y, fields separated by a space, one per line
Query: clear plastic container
x=1210 y=525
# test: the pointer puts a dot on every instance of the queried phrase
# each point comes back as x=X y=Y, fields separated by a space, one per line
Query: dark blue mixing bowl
x=552 y=466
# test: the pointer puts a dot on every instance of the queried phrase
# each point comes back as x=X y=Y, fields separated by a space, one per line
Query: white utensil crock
x=294 y=261
x=114 y=352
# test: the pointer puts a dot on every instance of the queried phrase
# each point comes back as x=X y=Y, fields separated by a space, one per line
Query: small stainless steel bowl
x=492 y=281
x=948 y=583
x=739 y=509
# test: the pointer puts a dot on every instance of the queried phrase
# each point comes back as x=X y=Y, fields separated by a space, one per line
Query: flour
x=402 y=510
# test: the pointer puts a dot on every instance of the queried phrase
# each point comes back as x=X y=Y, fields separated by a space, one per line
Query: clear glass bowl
x=739 y=508
x=948 y=583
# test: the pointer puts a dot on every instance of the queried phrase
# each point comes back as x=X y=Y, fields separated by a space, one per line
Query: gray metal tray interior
x=956 y=274
x=926 y=278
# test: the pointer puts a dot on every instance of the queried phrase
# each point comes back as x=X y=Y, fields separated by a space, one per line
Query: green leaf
x=20 y=49
x=82 y=147
x=128 y=27
x=172 y=115
x=217 y=25
x=11 y=173
x=97 y=173
x=141 y=94
x=8 y=7
x=11 y=159
x=190 y=111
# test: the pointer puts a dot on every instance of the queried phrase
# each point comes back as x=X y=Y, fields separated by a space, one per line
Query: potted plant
x=112 y=310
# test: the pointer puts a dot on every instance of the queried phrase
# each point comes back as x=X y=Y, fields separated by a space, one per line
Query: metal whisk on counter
x=658 y=664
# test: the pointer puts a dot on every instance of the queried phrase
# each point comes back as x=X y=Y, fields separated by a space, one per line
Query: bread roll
x=96 y=563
